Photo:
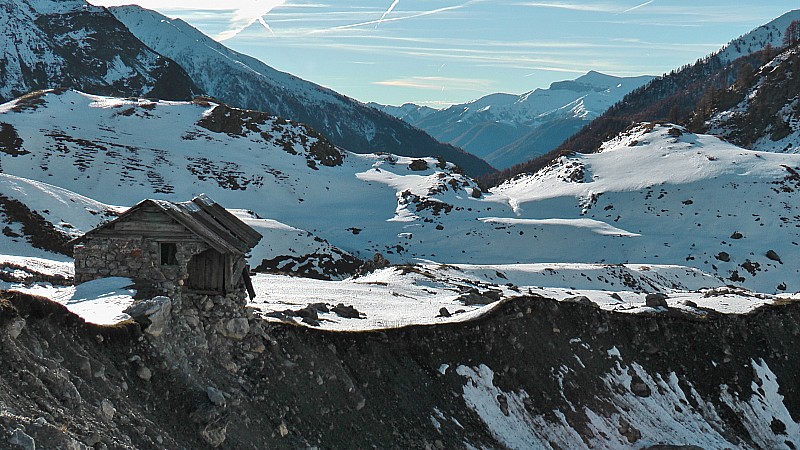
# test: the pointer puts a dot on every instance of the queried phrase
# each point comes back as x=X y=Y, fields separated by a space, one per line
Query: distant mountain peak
x=507 y=129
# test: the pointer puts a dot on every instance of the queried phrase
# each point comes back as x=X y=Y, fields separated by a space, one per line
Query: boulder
x=773 y=256
x=582 y=299
x=153 y=313
x=236 y=328
x=15 y=328
x=346 y=311
x=656 y=300
x=22 y=439
x=215 y=396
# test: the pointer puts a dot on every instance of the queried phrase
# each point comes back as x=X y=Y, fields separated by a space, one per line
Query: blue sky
x=439 y=52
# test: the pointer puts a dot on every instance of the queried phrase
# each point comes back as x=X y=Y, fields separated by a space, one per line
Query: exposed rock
x=474 y=298
x=15 y=328
x=21 y=439
x=215 y=396
x=144 y=373
x=582 y=299
x=346 y=311
x=737 y=235
x=153 y=313
x=236 y=328
x=656 y=300
x=107 y=410
x=418 y=164
x=723 y=256
x=771 y=254
x=443 y=312
x=639 y=387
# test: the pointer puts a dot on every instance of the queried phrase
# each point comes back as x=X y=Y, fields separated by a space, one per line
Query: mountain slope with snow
x=48 y=43
x=246 y=82
x=508 y=129
x=768 y=116
x=769 y=34
x=651 y=196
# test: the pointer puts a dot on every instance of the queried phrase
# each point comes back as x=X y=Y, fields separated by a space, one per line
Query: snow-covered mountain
x=652 y=196
x=47 y=43
x=506 y=129
x=246 y=82
x=769 y=34
x=768 y=116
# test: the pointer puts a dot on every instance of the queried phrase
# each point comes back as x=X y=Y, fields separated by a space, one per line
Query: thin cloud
x=569 y=6
x=439 y=83
x=386 y=13
x=247 y=14
x=637 y=7
x=394 y=19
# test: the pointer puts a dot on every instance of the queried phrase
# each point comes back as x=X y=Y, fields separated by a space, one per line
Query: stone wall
x=136 y=258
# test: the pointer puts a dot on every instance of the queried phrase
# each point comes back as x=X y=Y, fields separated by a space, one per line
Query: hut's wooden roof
x=205 y=218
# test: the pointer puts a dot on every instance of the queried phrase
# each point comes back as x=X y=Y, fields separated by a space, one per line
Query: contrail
x=637 y=7
x=391 y=7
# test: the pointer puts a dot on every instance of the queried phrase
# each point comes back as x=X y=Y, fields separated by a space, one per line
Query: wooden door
x=207 y=272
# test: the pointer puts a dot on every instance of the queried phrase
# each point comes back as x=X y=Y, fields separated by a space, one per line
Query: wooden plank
x=248 y=283
x=151 y=227
x=228 y=220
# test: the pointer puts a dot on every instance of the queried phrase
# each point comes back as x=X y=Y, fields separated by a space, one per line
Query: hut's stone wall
x=136 y=258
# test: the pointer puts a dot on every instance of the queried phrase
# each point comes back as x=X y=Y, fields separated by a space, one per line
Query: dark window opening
x=169 y=251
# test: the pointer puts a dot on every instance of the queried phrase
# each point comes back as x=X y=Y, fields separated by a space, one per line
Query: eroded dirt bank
x=534 y=373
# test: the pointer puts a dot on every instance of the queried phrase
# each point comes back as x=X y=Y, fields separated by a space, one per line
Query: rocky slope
x=46 y=44
x=245 y=82
x=507 y=129
x=766 y=111
x=534 y=373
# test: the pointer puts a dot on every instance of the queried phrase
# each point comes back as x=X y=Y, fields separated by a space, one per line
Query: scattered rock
x=782 y=287
x=418 y=164
x=737 y=235
x=307 y=312
x=639 y=387
x=656 y=300
x=582 y=299
x=215 y=396
x=107 y=410
x=690 y=304
x=443 y=312
x=347 y=312
x=473 y=298
x=16 y=327
x=723 y=256
x=774 y=256
x=144 y=373
x=20 y=438
x=615 y=296
x=283 y=430
x=236 y=328
x=628 y=431
x=493 y=294
x=153 y=313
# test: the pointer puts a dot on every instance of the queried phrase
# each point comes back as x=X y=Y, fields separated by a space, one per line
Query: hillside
x=507 y=129
x=687 y=96
x=246 y=82
x=119 y=151
x=47 y=44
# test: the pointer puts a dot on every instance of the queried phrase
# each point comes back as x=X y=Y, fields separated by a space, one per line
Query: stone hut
x=194 y=247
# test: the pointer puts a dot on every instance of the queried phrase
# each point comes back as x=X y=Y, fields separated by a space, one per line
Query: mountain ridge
x=246 y=82
x=507 y=129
